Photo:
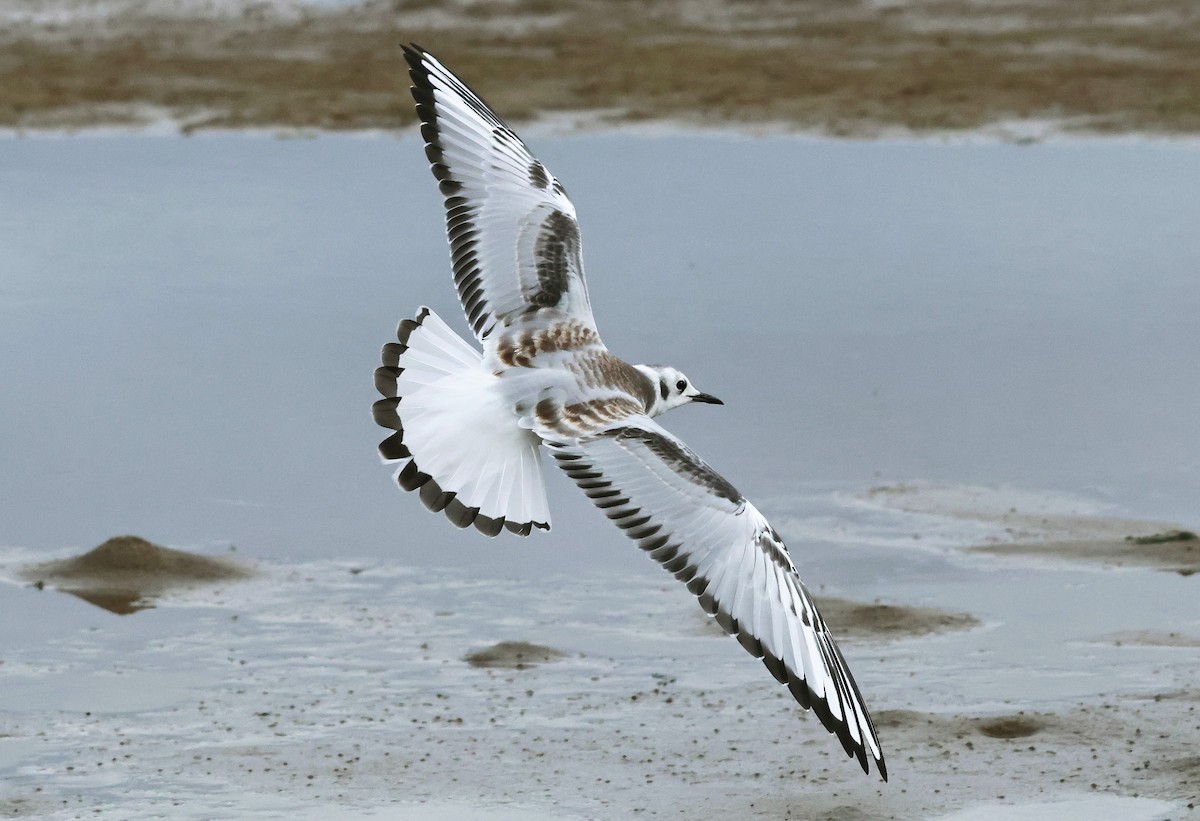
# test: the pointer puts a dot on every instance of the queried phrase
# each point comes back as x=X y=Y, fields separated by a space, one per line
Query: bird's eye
x=681 y=385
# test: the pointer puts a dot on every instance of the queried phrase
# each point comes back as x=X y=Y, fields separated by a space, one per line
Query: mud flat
x=880 y=621
x=1110 y=746
x=512 y=655
x=1020 y=68
x=326 y=686
x=869 y=621
x=1031 y=528
x=1177 y=555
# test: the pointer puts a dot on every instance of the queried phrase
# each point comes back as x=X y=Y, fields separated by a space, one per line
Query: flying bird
x=468 y=424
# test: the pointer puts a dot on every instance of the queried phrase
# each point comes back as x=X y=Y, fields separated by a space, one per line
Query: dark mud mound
x=513 y=655
x=1176 y=551
x=888 y=621
x=126 y=573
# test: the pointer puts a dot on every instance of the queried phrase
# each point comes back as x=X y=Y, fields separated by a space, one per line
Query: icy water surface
x=189 y=331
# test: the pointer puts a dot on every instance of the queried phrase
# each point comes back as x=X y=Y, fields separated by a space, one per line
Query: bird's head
x=672 y=389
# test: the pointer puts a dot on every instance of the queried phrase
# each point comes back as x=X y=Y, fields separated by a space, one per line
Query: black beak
x=707 y=398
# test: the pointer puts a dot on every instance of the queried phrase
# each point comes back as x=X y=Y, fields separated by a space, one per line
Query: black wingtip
x=418 y=72
x=412 y=51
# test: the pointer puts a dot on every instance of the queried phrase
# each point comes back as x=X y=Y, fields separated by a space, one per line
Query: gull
x=468 y=424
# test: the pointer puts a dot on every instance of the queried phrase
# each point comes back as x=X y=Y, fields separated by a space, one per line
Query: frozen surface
x=190 y=328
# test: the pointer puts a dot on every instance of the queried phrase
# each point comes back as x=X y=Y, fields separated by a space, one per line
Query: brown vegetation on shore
x=847 y=68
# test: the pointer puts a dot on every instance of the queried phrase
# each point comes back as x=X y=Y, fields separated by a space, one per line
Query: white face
x=673 y=389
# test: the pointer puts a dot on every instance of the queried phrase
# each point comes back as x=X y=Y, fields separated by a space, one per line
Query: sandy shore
x=831 y=67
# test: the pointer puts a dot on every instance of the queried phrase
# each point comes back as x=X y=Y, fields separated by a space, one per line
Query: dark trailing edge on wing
x=557 y=247
x=461 y=216
x=651 y=537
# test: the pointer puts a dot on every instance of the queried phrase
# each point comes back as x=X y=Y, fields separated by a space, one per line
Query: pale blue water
x=189 y=326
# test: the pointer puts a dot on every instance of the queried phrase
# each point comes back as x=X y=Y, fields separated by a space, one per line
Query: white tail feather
x=456 y=437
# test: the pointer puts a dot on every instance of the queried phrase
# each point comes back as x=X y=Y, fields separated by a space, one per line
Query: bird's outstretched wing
x=514 y=239
x=701 y=529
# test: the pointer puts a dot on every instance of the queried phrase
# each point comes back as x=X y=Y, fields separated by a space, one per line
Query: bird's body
x=605 y=388
x=469 y=424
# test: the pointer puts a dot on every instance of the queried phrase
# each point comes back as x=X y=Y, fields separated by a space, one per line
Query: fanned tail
x=456 y=440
